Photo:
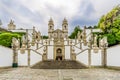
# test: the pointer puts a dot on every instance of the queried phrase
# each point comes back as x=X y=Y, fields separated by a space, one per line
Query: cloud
x=29 y=13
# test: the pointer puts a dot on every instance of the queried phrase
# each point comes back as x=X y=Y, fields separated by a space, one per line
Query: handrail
x=29 y=35
x=77 y=47
x=82 y=51
x=40 y=47
x=88 y=34
x=36 y=52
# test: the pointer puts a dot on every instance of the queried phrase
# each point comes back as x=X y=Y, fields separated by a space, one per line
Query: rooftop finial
x=65 y=19
x=51 y=19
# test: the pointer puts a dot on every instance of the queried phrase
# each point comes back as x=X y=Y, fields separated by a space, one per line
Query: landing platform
x=64 y=64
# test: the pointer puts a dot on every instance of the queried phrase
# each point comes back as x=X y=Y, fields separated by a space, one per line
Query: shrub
x=118 y=36
x=111 y=39
x=6 y=39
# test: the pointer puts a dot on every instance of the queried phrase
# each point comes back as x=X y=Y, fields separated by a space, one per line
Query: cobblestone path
x=59 y=74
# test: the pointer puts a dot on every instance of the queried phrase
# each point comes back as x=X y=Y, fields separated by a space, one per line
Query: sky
x=29 y=13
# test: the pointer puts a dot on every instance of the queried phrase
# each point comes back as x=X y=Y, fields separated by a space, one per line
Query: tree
x=74 y=33
x=107 y=20
x=111 y=39
x=45 y=37
x=110 y=24
x=89 y=27
x=118 y=36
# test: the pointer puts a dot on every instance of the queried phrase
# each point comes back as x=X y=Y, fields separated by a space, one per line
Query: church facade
x=58 y=36
x=57 y=33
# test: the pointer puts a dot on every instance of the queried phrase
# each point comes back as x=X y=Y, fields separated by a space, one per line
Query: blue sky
x=29 y=13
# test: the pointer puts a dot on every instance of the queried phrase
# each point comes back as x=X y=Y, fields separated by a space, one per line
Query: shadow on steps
x=64 y=64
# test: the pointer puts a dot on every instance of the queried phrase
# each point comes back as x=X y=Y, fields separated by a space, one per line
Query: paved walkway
x=61 y=74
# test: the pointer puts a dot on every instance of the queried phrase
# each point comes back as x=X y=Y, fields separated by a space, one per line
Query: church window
x=65 y=27
x=50 y=27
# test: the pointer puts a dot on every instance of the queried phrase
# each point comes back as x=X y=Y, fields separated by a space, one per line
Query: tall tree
x=74 y=33
x=110 y=24
x=106 y=21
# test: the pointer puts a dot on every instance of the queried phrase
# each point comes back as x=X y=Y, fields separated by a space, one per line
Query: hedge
x=6 y=38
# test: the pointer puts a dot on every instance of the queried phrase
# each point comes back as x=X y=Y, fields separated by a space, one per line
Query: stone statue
x=38 y=36
x=103 y=42
x=15 y=43
x=79 y=35
x=23 y=40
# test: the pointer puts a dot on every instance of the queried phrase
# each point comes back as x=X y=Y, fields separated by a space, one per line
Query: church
x=59 y=39
x=58 y=46
x=58 y=36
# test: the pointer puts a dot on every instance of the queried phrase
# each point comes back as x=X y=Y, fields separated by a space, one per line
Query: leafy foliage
x=110 y=24
x=6 y=38
x=106 y=21
x=111 y=39
x=93 y=27
x=45 y=37
x=74 y=33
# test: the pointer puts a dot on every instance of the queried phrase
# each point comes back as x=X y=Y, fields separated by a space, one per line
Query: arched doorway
x=59 y=54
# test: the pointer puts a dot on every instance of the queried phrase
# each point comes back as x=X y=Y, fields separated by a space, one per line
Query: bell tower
x=11 y=25
x=50 y=28
x=65 y=28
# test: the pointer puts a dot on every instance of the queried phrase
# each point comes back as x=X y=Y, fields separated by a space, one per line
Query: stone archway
x=59 y=54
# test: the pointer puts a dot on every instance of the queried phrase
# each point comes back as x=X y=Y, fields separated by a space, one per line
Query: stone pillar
x=89 y=58
x=70 y=51
x=37 y=45
x=49 y=42
x=67 y=42
x=73 y=56
x=44 y=56
x=28 y=57
x=15 y=58
x=80 y=44
x=104 y=57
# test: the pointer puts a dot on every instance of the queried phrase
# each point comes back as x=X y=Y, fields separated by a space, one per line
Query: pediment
x=57 y=30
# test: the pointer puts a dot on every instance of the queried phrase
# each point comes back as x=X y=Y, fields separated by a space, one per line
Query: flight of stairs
x=64 y=64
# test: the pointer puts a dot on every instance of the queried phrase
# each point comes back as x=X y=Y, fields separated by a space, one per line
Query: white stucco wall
x=96 y=58
x=34 y=58
x=83 y=57
x=50 y=52
x=22 y=59
x=113 y=56
x=6 y=57
x=67 y=52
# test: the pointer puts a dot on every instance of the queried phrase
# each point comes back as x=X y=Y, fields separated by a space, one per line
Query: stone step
x=64 y=64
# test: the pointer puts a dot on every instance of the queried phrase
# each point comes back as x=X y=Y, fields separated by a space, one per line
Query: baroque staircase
x=63 y=64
